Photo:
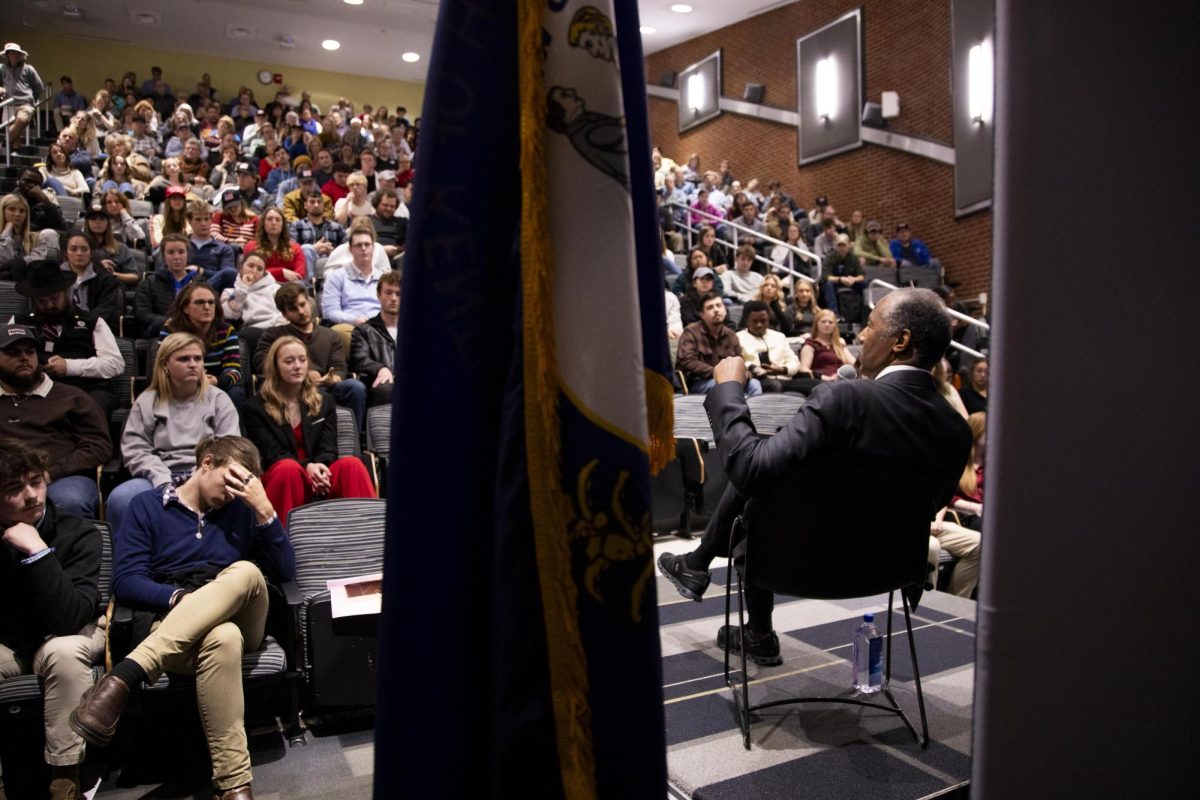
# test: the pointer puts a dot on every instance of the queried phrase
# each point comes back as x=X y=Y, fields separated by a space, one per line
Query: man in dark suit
x=898 y=414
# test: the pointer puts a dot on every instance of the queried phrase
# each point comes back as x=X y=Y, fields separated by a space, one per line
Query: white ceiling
x=373 y=35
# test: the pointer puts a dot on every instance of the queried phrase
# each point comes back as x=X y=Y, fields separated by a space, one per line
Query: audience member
x=824 y=351
x=58 y=419
x=316 y=232
x=326 y=350
x=234 y=224
x=704 y=343
x=373 y=344
x=804 y=307
x=294 y=427
x=251 y=300
x=910 y=252
x=825 y=244
x=968 y=498
x=59 y=168
x=173 y=216
x=77 y=349
x=975 y=393
x=767 y=354
x=349 y=296
x=19 y=82
x=872 y=249
x=779 y=315
x=125 y=229
x=216 y=259
x=255 y=199
x=285 y=259
x=742 y=281
x=178 y=411
x=355 y=204
x=335 y=188
x=156 y=293
x=206 y=593
x=787 y=256
x=50 y=586
x=691 y=301
x=66 y=102
x=19 y=245
x=941 y=373
x=94 y=293
x=840 y=269
x=295 y=201
x=391 y=231
x=108 y=254
x=196 y=311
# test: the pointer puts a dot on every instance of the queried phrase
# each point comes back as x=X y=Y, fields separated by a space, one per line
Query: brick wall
x=907 y=48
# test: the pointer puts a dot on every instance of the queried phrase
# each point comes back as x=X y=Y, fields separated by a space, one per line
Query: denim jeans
x=75 y=494
x=753 y=387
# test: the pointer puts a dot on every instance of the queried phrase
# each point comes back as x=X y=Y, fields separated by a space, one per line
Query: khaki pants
x=205 y=635
x=64 y=663
x=963 y=544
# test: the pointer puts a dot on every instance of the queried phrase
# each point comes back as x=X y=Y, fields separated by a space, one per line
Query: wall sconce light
x=696 y=91
x=826 y=88
x=979 y=82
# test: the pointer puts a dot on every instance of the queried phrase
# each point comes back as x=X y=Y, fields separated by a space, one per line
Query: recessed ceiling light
x=331 y=44
x=681 y=8
x=146 y=18
x=410 y=57
x=647 y=29
x=353 y=2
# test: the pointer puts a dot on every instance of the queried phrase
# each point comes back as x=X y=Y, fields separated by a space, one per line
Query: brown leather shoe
x=238 y=793
x=64 y=783
x=100 y=709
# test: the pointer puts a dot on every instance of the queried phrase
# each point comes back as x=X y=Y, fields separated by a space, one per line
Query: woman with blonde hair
x=968 y=499
x=19 y=245
x=84 y=126
x=294 y=426
x=355 y=204
x=168 y=420
x=804 y=307
x=824 y=351
x=145 y=110
x=770 y=291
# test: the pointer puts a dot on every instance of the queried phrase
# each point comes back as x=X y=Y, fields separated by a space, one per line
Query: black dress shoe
x=100 y=710
x=691 y=583
x=761 y=648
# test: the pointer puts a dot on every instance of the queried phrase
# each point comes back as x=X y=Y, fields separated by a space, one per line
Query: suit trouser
x=964 y=544
x=64 y=663
x=205 y=635
x=715 y=543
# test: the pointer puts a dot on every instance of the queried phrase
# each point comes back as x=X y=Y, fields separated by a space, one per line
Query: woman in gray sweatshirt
x=168 y=420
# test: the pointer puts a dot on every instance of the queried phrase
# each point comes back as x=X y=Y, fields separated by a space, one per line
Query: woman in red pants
x=294 y=426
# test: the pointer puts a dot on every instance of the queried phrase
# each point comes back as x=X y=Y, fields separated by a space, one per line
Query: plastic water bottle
x=867 y=657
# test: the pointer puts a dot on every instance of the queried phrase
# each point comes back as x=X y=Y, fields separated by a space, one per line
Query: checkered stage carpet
x=814 y=750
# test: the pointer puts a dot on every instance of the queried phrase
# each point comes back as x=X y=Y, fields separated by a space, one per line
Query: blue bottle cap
x=869 y=617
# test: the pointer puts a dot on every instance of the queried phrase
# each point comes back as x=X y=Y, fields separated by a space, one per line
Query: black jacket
x=371 y=349
x=275 y=441
x=154 y=297
x=57 y=594
x=105 y=299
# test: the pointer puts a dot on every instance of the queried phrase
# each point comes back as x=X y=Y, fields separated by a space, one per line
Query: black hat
x=304 y=174
x=244 y=168
x=95 y=212
x=45 y=278
x=229 y=197
x=12 y=333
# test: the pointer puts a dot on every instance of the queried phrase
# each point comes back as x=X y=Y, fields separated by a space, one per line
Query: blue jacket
x=214 y=256
x=158 y=539
x=916 y=252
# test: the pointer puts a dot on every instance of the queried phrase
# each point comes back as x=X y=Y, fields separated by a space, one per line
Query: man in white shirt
x=767 y=354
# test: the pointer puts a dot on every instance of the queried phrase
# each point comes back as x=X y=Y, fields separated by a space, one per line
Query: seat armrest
x=120 y=632
x=284 y=621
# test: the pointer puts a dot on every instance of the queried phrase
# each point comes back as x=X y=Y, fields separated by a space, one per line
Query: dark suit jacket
x=900 y=416
x=275 y=441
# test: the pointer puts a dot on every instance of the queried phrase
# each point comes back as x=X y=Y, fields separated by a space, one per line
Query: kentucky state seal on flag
x=519 y=639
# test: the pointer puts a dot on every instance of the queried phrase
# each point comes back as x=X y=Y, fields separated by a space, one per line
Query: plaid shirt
x=305 y=232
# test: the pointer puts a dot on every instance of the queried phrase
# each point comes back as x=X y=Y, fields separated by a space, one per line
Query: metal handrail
x=774 y=265
x=6 y=126
x=955 y=314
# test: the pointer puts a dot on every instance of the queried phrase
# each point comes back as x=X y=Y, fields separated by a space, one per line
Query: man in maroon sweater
x=59 y=419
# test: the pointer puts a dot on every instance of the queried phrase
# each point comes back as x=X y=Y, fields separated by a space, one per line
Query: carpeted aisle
x=814 y=750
